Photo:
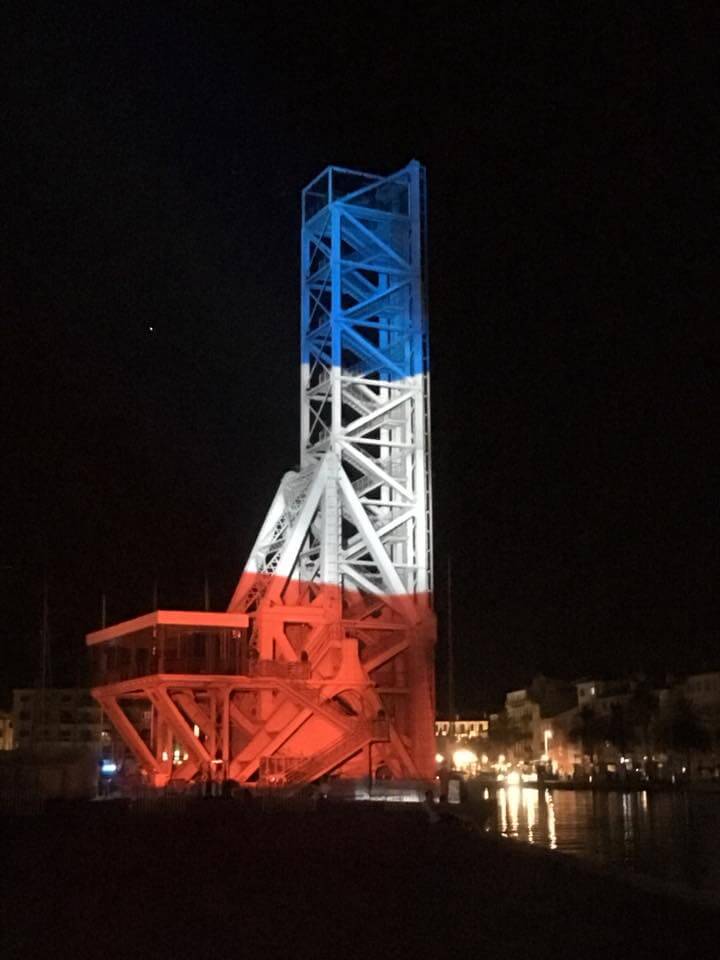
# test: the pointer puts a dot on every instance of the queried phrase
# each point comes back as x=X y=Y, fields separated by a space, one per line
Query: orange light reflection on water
x=550 y=807
x=525 y=814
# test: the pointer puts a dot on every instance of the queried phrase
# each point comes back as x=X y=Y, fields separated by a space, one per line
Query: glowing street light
x=462 y=759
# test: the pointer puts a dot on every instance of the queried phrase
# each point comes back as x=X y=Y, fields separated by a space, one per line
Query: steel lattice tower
x=331 y=626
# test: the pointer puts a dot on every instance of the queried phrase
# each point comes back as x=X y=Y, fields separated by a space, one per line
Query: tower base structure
x=214 y=711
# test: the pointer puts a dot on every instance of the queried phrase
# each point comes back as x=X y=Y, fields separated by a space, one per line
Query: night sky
x=151 y=167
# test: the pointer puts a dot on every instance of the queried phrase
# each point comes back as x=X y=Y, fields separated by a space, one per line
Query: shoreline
x=594 y=867
x=708 y=788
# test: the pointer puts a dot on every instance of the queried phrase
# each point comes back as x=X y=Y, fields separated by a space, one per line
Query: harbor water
x=670 y=836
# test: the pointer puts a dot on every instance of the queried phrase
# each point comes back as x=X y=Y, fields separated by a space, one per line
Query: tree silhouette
x=617 y=729
x=682 y=730
x=642 y=713
x=588 y=730
x=503 y=734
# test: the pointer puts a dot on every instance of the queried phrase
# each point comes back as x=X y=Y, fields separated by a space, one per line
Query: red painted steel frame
x=319 y=693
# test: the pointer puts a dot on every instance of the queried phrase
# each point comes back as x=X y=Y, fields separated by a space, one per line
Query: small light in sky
x=151 y=329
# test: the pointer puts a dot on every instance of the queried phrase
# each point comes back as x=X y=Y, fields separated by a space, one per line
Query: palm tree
x=503 y=734
x=588 y=730
x=642 y=712
x=684 y=732
x=617 y=728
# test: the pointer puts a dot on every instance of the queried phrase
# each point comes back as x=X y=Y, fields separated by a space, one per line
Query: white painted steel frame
x=358 y=513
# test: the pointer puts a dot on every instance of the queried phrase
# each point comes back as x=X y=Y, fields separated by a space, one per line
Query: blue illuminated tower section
x=364 y=378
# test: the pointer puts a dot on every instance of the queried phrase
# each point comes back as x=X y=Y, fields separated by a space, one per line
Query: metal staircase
x=337 y=753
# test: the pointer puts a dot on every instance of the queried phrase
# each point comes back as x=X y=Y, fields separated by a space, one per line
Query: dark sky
x=151 y=168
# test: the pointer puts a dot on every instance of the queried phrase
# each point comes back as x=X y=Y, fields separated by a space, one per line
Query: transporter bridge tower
x=324 y=661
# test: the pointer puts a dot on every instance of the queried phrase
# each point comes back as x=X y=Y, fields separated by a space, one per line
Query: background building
x=6 y=730
x=702 y=690
x=528 y=714
x=463 y=729
x=56 y=717
x=619 y=727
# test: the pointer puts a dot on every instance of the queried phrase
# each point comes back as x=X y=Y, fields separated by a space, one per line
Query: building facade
x=615 y=727
x=529 y=713
x=603 y=696
x=702 y=690
x=58 y=717
x=463 y=729
x=6 y=730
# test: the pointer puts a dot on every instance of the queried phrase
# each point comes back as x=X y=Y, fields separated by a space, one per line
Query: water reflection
x=530 y=800
x=513 y=823
x=513 y=805
x=627 y=813
x=675 y=836
x=550 y=812
x=502 y=813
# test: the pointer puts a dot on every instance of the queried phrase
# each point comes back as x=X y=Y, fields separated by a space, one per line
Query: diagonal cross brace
x=177 y=723
x=127 y=731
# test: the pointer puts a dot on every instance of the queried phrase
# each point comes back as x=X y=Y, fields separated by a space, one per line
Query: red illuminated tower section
x=323 y=663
